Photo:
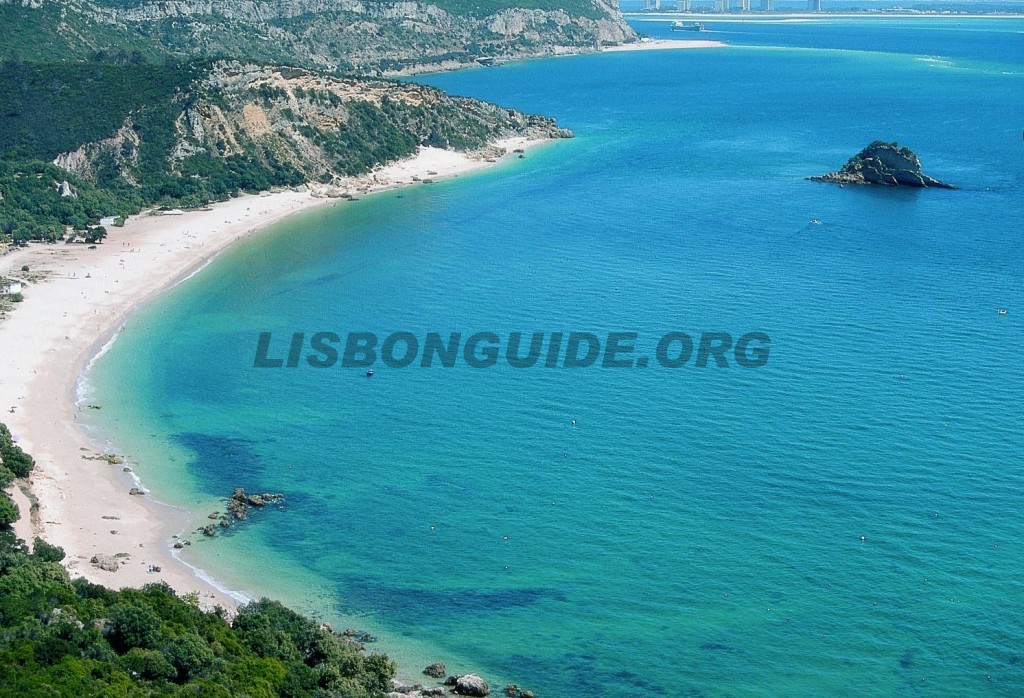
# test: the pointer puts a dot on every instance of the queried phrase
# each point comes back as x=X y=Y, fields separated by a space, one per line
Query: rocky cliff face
x=121 y=150
x=319 y=126
x=367 y=36
x=883 y=163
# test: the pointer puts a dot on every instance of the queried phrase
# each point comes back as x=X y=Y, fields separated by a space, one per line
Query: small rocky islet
x=238 y=505
x=883 y=163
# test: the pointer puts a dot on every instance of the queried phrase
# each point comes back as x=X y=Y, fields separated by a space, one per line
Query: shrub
x=148 y=664
x=190 y=655
x=8 y=511
x=46 y=552
x=135 y=626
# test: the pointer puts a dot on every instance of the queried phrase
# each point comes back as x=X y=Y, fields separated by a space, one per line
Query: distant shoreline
x=783 y=16
x=69 y=317
x=664 y=44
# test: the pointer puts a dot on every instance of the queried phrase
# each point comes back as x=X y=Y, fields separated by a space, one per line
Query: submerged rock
x=513 y=691
x=436 y=670
x=883 y=163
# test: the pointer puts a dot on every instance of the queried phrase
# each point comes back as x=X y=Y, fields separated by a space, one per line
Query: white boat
x=679 y=26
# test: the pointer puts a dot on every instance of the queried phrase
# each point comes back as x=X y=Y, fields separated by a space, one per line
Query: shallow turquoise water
x=846 y=516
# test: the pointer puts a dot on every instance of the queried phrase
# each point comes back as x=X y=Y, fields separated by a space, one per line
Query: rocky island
x=883 y=163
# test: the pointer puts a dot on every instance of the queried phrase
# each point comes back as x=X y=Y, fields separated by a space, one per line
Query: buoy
x=574 y=422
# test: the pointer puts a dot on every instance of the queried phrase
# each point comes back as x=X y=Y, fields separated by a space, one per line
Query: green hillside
x=132 y=135
x=378 y=35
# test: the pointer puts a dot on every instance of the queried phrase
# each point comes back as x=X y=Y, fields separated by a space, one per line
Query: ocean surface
x=847 y=518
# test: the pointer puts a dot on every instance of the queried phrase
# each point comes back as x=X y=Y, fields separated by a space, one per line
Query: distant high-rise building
x=814 y=5
x=683 y=5
x=767 y=6
x=652 y=4
x=745 y=5
x=721 y=5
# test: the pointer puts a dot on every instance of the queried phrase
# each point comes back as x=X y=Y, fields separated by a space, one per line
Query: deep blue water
x=846 y=517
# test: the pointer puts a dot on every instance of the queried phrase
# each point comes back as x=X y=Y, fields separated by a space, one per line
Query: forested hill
x=363 y=36
x=125 y=136
x=108 y=106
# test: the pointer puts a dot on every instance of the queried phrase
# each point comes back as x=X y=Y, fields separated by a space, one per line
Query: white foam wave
x=209 y=579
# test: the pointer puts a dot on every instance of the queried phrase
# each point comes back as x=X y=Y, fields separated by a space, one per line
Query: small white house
x=108 y=221
x=7 y=286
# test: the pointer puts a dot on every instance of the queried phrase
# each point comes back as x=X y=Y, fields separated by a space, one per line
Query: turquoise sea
x=846 y=519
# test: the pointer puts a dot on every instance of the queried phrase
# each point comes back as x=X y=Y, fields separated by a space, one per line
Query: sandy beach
x=663 y=45
x=67 y=316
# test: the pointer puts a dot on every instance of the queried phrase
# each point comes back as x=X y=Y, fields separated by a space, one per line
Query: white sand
x=664 y=44
x=64 y=321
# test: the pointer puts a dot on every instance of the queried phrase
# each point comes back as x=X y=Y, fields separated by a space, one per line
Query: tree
x=46 y=552
x=148 y=664
x=190 y=655
x=95 y=235
x=135 y=626
x=8 y=511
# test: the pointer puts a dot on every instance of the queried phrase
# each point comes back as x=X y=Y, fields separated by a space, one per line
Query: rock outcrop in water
x=471 y=685
x=237 y=509
x=883 y=163
x=436 y=670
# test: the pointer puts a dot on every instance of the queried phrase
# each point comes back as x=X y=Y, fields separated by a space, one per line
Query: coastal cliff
x=360 y=36
x=303 y=126
x=883 y=163
x=100 y=140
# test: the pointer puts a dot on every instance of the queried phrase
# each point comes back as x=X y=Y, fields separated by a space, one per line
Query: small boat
x=1002 y=311
x=369 y=372
x=688 y=26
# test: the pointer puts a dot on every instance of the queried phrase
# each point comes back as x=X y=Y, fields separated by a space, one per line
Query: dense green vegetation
x=328 y=39
x=49 y=109
x=32 y=208
x=41 y=33
x=13 y=461
x=482 y=8
x=175 y=135
x=582 y=8
x=63 y=637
